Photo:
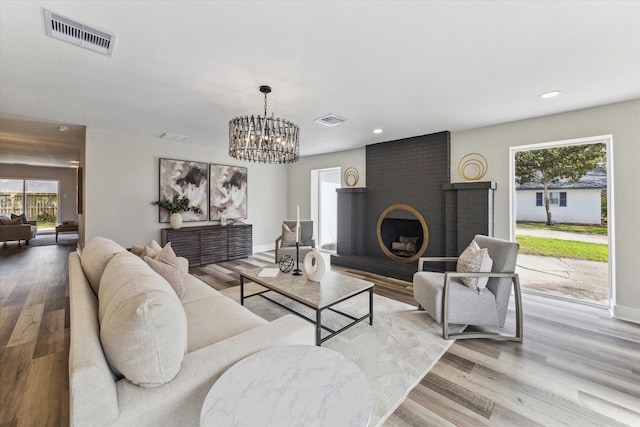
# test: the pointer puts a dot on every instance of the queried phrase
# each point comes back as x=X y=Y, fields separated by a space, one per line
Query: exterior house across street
x=571 y=202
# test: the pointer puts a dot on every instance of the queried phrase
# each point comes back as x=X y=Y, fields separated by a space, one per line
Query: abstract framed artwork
x=228 y=192
x=185 y=178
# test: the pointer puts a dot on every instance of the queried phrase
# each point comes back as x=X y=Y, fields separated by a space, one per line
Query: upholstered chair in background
x=286 y=242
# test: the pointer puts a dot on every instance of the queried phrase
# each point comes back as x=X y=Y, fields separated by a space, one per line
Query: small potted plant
x=174 y=206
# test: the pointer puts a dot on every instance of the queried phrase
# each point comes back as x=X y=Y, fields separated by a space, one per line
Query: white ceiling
x=410 y=68
x=40 y=142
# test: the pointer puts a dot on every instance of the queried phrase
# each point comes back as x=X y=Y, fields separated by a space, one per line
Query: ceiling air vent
x=330 y=120
x=173 y=137
x=70 y=31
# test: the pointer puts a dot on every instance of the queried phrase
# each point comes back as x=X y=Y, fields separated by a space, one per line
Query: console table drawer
x=214 y=245
x=240 y=242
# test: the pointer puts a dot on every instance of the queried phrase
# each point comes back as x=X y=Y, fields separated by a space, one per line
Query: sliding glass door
x=38 y=199
x=11 y=196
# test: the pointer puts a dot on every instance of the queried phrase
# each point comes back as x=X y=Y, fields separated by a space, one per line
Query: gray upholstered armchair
x=448 y=300
x=307 y=241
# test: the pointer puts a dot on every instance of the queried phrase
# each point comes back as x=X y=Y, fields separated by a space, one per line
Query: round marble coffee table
x=294 y=385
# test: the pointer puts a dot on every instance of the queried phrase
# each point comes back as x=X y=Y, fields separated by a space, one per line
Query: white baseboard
x=629 y=314
x=264 y=248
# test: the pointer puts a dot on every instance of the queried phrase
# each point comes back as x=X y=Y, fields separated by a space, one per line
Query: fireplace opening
x=402 y=233
x=405 y=236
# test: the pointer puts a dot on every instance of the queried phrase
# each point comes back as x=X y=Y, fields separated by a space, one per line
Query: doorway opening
x=324 y=206
x=561 y=213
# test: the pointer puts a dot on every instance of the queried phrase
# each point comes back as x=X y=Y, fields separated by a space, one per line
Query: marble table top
x=293 y=385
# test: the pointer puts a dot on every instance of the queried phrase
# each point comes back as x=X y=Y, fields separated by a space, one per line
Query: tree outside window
x=550 y=165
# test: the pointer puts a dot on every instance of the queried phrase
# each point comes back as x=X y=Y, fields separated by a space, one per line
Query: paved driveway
x=573 y=278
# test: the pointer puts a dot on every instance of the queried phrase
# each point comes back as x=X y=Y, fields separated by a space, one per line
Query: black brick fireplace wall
x=408 y=171
x=415 y=172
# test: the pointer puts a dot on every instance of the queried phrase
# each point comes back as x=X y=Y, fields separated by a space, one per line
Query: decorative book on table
x=268 y=272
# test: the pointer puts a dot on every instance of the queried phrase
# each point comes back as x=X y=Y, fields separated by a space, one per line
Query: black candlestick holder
x=297 y=271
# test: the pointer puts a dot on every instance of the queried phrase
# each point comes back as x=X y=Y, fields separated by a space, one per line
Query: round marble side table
x=294 y=385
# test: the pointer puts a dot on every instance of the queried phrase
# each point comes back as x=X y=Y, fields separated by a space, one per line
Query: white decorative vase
x=313 y=265
x=175 y=220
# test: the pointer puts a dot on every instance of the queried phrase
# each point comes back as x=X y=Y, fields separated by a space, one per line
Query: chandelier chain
x=265 y=105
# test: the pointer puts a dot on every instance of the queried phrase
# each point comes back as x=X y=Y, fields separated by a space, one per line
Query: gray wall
x=298 y=186
x=121 y=181
x=622 y=121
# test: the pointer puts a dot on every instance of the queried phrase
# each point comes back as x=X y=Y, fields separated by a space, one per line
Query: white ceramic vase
x=313 y=265
x=175 y=220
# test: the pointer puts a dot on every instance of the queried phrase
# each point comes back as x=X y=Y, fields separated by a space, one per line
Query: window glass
x=11 y=196
x=38 y=199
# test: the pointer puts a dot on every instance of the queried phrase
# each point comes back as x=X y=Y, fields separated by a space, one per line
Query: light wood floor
x=576 y=367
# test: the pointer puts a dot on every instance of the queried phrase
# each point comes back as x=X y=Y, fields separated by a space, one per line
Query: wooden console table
x=210 y=243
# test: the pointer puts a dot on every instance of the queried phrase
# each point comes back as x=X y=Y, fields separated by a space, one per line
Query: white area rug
x=394 y=354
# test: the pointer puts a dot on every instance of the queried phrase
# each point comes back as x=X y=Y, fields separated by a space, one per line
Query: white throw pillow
x=95 y=256
x=167 y=255
x=151 y=249
x=474 y=260
x=183 y=264
x=154 y=246
x=170 y=272
x=143 y=326
x=137 y=250
x=148 y=252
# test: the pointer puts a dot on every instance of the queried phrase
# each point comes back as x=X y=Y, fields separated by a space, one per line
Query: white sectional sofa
x=142 y=356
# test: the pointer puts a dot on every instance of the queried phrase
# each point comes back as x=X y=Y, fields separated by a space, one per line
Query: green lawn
x=573 y=228
x=563 y=248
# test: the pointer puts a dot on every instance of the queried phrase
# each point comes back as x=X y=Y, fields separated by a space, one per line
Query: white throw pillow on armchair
x=474 y=260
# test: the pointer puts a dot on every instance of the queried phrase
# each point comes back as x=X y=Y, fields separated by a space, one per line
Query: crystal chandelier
x=264 y=139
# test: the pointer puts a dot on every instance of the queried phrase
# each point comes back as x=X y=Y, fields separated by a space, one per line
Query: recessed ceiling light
x=377 y=130
x=551 y=94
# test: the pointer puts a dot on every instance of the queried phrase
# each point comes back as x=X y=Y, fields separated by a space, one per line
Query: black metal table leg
x=318 y=328
x=371 y=306
x=241 y=289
